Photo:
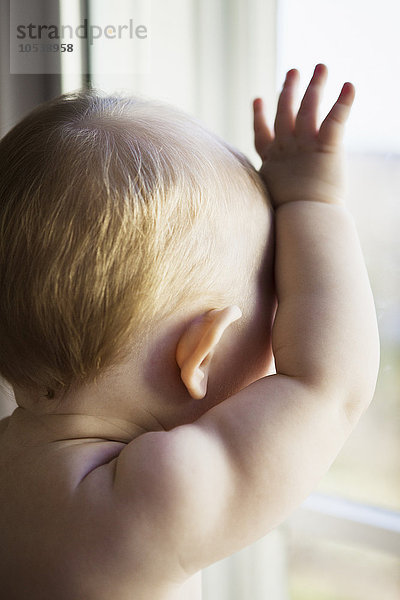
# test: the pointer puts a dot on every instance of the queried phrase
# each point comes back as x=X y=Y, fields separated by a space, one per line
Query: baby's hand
x=301 y=162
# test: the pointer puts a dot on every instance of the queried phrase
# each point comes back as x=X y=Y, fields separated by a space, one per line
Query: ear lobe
x=197 y=345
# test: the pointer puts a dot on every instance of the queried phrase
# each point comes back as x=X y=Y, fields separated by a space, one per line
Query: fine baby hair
x=113 y=214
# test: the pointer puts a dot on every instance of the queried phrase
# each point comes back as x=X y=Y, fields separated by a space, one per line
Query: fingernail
x=290 y=73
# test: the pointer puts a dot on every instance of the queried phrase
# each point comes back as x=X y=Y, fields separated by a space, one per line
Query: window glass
x=327 y=570
x=359 y=43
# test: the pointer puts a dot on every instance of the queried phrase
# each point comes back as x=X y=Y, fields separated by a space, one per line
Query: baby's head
x=116 y=213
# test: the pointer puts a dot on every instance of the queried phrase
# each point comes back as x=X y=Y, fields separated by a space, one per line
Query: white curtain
x=209 y=57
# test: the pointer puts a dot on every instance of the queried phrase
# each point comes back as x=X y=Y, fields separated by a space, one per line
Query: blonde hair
x=110 y=216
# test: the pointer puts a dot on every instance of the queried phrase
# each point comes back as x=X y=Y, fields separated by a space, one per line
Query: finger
x=284 y=120
x=262 y=134
x=306 y=121
x=332 y=128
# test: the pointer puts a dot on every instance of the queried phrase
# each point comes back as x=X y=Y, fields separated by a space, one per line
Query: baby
x=189 y=342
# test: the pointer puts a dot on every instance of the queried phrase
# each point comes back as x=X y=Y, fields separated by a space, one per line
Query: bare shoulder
x=154 y=467
x=222 y=482
x=186 y=485
x=168 y=459
x=179 y=481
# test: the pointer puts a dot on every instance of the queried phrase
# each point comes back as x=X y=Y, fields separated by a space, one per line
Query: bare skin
x=129 y=499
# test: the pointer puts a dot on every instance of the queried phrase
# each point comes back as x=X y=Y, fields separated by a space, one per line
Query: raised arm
x=325 y=331
x=241 y=468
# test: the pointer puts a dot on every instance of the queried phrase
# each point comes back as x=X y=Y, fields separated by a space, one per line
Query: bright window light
x=359 y=42
x=71 y=66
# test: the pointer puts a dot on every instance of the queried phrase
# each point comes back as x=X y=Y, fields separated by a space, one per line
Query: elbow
x=356 y=405
x=361 y=390
x=351 y=381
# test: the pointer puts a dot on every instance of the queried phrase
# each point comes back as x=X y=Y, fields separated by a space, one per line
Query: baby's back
x=66 y=533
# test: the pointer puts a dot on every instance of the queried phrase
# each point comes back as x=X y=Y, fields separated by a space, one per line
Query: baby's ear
x=197 y=345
